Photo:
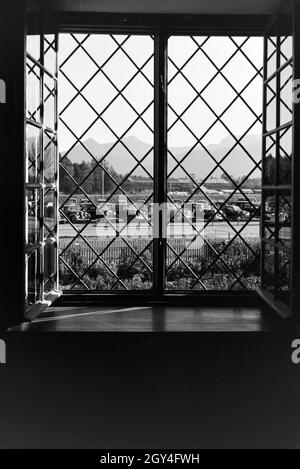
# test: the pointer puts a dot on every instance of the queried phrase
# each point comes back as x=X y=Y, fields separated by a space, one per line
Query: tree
x=66 y=185
x=229 y=178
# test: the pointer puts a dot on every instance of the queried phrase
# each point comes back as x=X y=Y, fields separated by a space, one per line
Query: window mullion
x=160 y=155
x=277 y=160
x=263 y=176
x=42 y=190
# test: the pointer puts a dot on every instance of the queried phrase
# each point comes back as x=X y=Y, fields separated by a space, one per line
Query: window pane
x=269 y=216
x=106 y=177
x=272 y=56
x=49 y=213
x=268 y=280
x=286 y=95
x=33 y=46
x=284 y=277
x=270 y=161
x=286 y=48
x=33 y=24
x=33 y=216
x=50 y=267
x=49 y=53
x=33 y=96
x=49 y=158
x=213 y=175
x=49 y=102
x=271 y=105
x=285 y=217
x=33 y=277
x=33 y=154
x=285 y=157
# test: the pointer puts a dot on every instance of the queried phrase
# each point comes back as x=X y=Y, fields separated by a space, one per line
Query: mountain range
x=198 y=163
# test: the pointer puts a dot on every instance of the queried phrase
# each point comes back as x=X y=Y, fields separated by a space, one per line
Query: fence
x=118 y=248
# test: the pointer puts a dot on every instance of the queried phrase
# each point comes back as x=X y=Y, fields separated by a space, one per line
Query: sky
x=139 y=93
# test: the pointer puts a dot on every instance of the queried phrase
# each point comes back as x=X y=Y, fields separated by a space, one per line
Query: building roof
x=217 y=181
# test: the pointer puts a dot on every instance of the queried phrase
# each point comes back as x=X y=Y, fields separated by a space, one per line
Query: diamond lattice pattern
x=106 y=162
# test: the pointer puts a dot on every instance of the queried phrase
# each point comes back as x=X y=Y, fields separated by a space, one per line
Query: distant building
x=218 y=184
x=180 y=184
x=135 y=185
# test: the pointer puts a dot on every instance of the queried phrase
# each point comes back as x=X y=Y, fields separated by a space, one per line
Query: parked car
x=284 y=218
x=74 y=213
x=212 y=214
x=233 y=212
x=253 y=210
x=268 y=217
x=105 y=209
x=49 y=210
x=89 y=209
x=72 y=200
x=84 y=200
x=61 y=218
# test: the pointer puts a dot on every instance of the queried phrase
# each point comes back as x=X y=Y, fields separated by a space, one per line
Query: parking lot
x=135 y=229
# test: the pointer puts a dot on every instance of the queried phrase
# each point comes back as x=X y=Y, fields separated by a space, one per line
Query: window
x=41 y=158
x=277 y=172
x=159 y=157
x=212 y=175
x=214 y=161
x=106 y=168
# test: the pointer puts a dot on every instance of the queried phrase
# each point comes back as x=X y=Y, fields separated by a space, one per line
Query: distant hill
x=198 y=162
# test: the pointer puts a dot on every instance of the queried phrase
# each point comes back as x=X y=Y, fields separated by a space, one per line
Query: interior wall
x=230 y=7
x=11 y=151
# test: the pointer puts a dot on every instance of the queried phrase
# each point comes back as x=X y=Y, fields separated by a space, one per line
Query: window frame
x=161 y=26
x=279 y=26
x=44 y=23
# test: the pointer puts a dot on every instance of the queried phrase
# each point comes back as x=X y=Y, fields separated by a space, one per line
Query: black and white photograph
x=150 y=269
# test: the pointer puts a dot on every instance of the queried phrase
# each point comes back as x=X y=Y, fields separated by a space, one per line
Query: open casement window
x=149 y=206
x=278 y=191
x=41 y=170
